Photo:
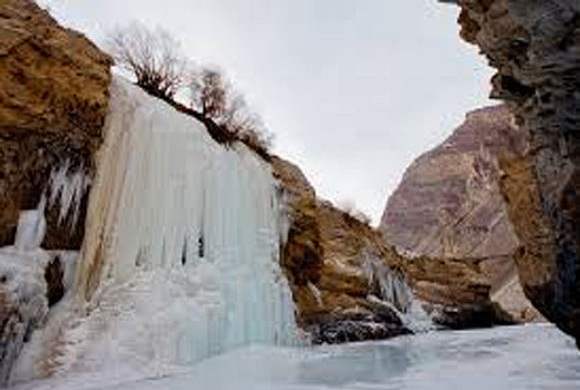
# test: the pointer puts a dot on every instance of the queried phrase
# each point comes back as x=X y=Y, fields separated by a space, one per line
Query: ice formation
x=22 y=288
x=180 y=259
x=31 y=229
x=66 y=189
x=396 y=293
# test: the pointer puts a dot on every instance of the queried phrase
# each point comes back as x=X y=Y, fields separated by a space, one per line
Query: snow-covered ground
x=515 y=358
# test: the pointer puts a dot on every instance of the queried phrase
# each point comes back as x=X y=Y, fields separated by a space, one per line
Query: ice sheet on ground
x=514 y=358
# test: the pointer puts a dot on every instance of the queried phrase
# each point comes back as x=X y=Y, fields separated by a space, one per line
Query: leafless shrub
x=152 y=56
x=214 y=97
x=349 y=209
x=154 y=59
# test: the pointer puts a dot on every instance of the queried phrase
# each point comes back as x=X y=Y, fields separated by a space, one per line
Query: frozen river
x=514 y=358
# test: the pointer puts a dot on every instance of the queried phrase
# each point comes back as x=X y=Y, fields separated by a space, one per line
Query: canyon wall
x=449 y=207
x=348 y=285
x=535 y=47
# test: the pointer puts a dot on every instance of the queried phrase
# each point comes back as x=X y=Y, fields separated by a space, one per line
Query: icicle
x=66 y=189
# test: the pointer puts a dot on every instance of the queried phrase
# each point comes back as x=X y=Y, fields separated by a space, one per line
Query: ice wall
x=180 y=257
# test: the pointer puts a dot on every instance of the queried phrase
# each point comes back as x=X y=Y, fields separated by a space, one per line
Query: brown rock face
x=457 y=292
x=535 y=47
x=449 y=207
x=333 y=262
x=53 y=102
x=448 y=203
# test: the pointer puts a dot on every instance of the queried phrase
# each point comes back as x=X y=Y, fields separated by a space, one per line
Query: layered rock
x=338 y=268
x=53 y=103
x=449 y=207
x=535 y=47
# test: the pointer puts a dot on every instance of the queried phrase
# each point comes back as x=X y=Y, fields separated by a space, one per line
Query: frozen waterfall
x=181 y=253
x=396 y=293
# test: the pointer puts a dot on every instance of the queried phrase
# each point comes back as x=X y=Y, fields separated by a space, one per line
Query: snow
x=180 y=259
x=504 y=358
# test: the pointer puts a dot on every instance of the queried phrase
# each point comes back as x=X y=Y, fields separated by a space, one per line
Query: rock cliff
x=535 y=47
x=53 y=103
x=335 y=264
x=449 y=207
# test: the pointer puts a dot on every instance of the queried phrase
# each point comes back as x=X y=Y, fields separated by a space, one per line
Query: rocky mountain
x=449 y=207
x=535 y=47
x=448 y=203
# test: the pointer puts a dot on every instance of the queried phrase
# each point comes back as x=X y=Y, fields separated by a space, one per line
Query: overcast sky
x=353 y=90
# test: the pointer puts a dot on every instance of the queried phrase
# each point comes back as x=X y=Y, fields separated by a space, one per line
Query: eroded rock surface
x=53 y=103
x=535 y=47
x=449 y=207
x=336 y=266
x=449 y=203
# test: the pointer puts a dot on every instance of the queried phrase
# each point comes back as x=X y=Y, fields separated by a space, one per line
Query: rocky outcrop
x=53 y=103
x=347 y=284
x=535 y=47
x=449 y=207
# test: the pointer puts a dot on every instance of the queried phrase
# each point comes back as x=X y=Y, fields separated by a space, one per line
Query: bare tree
x=348 y=207
x=153 y=57
x=214 y=97
x=155 y=60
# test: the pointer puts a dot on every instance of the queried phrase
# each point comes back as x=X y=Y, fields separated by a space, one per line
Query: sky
x=352 y=90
